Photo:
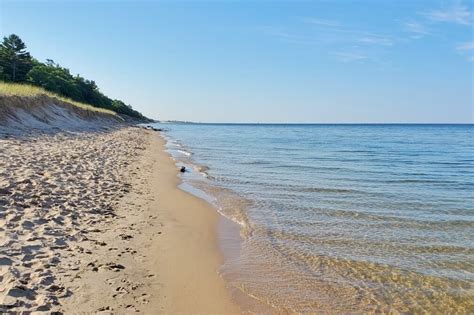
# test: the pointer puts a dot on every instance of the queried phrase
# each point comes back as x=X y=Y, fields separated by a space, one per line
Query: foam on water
x=197 y=182
x=340 y=218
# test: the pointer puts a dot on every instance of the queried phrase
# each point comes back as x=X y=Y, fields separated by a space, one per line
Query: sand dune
x=46 y=114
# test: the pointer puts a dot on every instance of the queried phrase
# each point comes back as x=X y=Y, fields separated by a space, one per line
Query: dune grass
x=26 y=90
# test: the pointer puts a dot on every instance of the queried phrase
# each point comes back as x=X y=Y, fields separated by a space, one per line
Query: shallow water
x=341 y=218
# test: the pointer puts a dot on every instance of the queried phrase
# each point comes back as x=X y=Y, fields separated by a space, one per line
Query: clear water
x=341 y=218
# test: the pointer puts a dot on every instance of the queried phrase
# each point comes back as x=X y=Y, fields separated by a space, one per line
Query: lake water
x=341 y=218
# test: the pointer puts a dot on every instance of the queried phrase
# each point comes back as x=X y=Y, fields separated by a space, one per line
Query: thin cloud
x=286 y=36
x=350 y=57
x=417 y=29
x=348 y=34
x=467 y=46
x=376 y=40
x=338 y=39
x=466 y=49
x=322 y=22
x=459 y=14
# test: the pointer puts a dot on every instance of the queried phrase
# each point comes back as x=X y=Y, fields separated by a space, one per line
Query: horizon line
x=314 y=123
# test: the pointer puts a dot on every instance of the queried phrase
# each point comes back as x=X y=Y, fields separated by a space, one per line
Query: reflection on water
x=342 y=218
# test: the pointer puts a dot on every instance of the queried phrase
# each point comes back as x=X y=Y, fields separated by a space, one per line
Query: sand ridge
x=44 y=114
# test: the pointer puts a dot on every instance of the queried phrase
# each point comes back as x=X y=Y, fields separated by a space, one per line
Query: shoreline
x=228 y=233
x=190 y=255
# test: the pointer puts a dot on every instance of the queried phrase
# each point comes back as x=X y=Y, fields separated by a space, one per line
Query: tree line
x=17 y=66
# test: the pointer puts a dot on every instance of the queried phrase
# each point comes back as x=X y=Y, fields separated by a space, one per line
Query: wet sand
x=94 y=222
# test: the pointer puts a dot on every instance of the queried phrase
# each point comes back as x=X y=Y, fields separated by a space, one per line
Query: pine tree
x=14 y=59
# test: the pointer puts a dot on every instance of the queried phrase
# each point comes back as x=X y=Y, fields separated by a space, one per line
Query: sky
x=339 y=61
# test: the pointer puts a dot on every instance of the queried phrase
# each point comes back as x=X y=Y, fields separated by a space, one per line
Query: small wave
x=258 y=162
x=228 y=204
x=185 y=152
x=202 y=169
x=447 y=163
x=417 y=181
x=328 y=190
x=356 y=151
x=310 y=167
x=439 y=248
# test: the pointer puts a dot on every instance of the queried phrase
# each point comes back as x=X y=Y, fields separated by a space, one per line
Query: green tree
x=54 y=78
x=14 y=58
x=17 y=65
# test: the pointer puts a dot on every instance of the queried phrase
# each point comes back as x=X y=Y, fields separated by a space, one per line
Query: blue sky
x=263 y=61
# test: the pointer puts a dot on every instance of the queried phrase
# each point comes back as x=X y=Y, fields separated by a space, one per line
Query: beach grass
x=26 y=90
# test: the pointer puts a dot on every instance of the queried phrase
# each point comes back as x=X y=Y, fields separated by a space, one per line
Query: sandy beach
x=94 y=222
x=236 y=157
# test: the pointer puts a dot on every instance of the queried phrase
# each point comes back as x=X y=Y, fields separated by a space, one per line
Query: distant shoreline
x=312 y=124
